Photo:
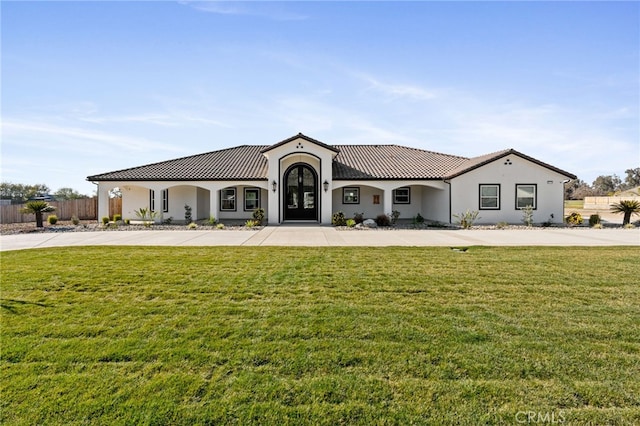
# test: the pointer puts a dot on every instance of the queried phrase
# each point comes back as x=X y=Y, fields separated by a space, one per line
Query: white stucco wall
x=240 y=213
x=509 y=171
x=408 y=211
x=201 y=210
x=179 y=196
x=366 y=206
x=133 y=198
x=435 y=203
x=299 y=150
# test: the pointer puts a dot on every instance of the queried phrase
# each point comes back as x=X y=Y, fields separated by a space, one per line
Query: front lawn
x=574 y=204
x=272 y=335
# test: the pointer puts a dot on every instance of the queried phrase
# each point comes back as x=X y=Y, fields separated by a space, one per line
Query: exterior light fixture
x=274 y=185
x=325 y=184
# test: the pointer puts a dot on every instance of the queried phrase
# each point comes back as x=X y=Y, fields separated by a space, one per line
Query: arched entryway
x=301 y=190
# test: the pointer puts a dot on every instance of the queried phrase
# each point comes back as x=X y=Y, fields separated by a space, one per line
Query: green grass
x=574 y=204
x=224 y=335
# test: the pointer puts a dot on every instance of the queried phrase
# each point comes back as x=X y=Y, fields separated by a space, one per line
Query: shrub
x=212 y=220
x=547 y=223
x=251 y=223
x=192 y=225
x=146 y=215
x=439 y=225
x=117 y=217
x=501 y=225
x=187 y=214
x=527 y=215
x=358 y=217
x=466 y=219
x=75 y=220
x=127 y=221
x=351 y=223
x=258 y=215
x=395 y=214
x=628 y=226
x=418 y=219
x=338 y=219
x=168 y=220
x=383 y=220
x=574 y=219
x=220 y=226
x=52 y=219
x=105 y=220
x=597 y=226
x=594 y=220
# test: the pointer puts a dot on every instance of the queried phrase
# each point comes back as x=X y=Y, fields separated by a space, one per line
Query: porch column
x=103 y=201
x=387 y=201
x=273 y=200
x=213 y=202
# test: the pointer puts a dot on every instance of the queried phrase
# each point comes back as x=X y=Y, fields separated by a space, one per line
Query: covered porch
x=220 y=200
x=429 y=199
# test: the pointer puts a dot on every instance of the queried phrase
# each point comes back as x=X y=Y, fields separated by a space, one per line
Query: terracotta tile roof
x=352 y=162
x=391 y=162
x=244 y=162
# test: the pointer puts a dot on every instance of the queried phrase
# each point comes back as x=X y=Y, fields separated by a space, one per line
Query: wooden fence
x=83 y=209
x=604 y=203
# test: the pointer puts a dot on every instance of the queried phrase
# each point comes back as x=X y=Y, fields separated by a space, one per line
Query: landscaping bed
x=93 y=226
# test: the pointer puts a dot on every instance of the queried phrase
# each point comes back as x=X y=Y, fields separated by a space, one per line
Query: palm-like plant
x=38 y=208
x=628 y=207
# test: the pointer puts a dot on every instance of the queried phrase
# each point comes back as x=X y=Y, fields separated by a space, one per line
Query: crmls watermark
x=546 y=417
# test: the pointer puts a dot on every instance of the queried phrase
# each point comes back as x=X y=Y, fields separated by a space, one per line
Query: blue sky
x=90 y=87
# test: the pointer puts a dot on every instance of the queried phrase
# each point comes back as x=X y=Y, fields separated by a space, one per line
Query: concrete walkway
x=329 y=236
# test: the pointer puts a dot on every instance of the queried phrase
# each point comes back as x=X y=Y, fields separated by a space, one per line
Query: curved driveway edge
x=329 y=236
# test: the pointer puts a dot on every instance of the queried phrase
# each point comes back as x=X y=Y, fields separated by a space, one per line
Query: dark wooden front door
x=300 y=200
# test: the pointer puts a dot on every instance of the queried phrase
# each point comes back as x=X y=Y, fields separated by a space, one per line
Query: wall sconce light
x=325 y=184
x=274 y=185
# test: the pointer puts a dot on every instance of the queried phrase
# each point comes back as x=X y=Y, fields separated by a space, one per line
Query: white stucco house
x=303 y=179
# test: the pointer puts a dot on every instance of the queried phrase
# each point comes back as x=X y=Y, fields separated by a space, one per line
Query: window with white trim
x=402 y=195
x=489 y=196
x=351 y=195
x=526 y=195
x=228 y=199
x=251 y=199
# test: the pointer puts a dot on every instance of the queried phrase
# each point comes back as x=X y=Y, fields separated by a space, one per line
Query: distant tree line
x=603 y=185
x=20 y=193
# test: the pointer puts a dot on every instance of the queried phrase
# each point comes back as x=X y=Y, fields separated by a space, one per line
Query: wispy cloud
x=341 y=123
x=553 y=133
x=156 y=119
x=173 y=119
x=270 y=10
x=79 y=138
x=395 y=90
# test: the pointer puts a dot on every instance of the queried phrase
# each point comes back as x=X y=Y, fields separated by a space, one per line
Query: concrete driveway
x=329 y=236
